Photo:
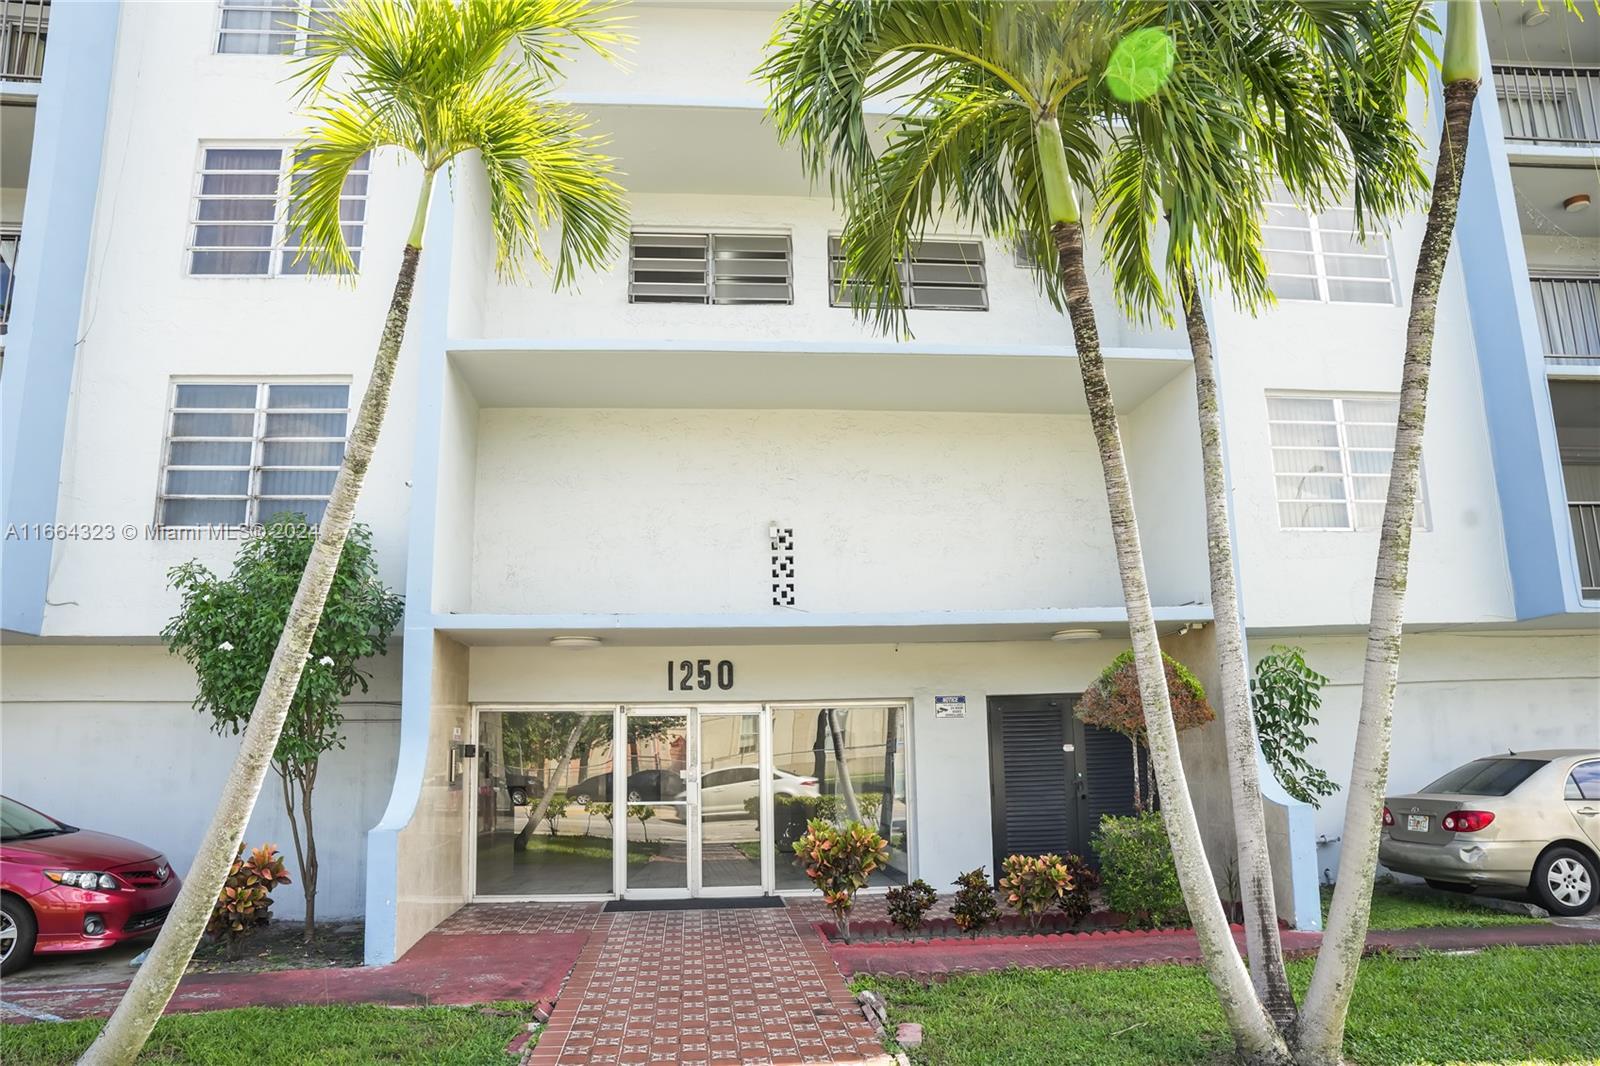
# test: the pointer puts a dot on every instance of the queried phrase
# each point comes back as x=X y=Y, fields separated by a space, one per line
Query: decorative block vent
x=781 y=540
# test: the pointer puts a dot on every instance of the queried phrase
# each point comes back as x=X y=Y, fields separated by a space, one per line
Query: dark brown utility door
x=1051 y=778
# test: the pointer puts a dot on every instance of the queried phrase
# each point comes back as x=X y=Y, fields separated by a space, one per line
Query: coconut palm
x=1332 y=984
x=1321 y=112
x=437 y=79
x=1005 y=112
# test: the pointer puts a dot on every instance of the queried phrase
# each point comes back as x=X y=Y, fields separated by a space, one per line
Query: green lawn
x=1502 y=1005
x=305 y=1036
x=1394 y=910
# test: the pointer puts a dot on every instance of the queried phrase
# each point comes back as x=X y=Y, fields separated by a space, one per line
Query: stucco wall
x=1460 y=696
x=431 y=852
x=640 y=511
x=104 y=737
x=145 y=320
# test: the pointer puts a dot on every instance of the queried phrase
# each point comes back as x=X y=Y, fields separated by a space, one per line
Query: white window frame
x=299 y=35
x=1346 y=474
x=709 y=277
x=258 y=440
x=1319 y=263
x=279 y=255
x=838 y=296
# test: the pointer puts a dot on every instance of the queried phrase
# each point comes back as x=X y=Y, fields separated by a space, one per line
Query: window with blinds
x=240 y=224
x=940 y=275
x=242 y=453
x=1320 y=257
x=1331 y=458
x=710 y=268
x=268 y=27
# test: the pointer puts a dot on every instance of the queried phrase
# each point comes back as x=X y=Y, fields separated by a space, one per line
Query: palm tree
x=1333 y=68
x=437 y=79
x=1332 y=984
x=1005 y=110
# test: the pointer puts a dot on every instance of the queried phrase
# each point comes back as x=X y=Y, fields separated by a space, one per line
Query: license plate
x=1416 y=823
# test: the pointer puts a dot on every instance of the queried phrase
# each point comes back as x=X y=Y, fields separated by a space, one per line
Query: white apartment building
x=698 y=514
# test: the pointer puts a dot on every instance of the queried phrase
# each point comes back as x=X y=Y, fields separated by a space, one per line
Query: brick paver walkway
x=703 y=987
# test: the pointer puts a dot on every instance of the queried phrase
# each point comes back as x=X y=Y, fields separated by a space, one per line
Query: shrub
x=245 y=902
x=1032 y=883
x=1286 y=695
x=838 y=860
x=1075 y=902
x=908 y=903
x=555 y=809
x=974 y=906
x=1136 y=866
x=644 y=812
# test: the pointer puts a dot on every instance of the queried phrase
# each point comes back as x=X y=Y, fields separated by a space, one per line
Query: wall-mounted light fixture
x=1064 y=635
x=574 y=641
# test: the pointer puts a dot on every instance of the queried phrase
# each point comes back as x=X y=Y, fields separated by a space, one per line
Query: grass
x=305 y=1036
x=1501 y=1005
x=1392 y=909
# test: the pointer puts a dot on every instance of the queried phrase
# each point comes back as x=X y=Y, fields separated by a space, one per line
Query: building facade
x=689 y=553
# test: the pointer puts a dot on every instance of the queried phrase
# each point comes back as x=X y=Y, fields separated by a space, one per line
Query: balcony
x=24 y=25
x=1568 y=308
x=1586 y=538
x=10 y=242
x=1549 y=104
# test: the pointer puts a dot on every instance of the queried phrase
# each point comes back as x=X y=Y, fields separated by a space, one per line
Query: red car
x=68 y=889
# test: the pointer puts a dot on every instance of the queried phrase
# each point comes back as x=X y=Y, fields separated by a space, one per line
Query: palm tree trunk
x=1328 y=999
x=891 y=744
x=1260 y=909
x=521 y=842
x=852 y=808
x=1255 y=1037
x=130 y=1025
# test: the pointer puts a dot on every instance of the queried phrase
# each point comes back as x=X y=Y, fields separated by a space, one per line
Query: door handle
x=1589 y=810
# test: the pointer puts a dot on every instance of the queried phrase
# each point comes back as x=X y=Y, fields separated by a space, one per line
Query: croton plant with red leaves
x=838 y=860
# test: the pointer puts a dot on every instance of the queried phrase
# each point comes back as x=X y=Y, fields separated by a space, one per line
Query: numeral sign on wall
x=687 y=675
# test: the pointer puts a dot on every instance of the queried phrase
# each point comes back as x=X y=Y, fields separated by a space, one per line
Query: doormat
x=729 y=903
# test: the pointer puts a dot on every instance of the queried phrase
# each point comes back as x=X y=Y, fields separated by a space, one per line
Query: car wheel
x=1449 y=886
x=519 y=798
x=633 y=795
x=581 y=800
x=1565 y=882
x=18 y=929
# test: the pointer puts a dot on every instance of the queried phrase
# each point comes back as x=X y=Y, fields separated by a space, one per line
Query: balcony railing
x=10 y=242
x=1568 y=307
x=1586 y=536
x=1549 y=105
x=23 y=25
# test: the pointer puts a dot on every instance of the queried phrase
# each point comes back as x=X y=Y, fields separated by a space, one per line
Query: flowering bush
x=245 y=902
x=908 y=903
x=838 y=860
x=1075 y=902
x=1032 y=883
x=974 y=906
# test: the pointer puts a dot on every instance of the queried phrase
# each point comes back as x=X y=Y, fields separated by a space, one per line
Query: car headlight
x=82 y=878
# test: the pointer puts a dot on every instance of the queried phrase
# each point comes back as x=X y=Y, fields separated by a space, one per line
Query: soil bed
x=280 y=945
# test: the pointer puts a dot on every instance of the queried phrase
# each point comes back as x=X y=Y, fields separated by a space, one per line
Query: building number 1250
x=686 y=675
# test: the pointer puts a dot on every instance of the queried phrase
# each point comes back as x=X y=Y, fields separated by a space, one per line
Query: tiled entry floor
x=705 y=987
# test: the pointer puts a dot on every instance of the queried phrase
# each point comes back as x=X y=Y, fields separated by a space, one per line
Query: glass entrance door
x=697 y=782
x=732 y=789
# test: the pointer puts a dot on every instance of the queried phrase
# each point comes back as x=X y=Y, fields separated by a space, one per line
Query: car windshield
x=1487 y=777
x=21 y=823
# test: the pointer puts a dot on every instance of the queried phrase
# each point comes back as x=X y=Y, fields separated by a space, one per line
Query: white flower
x=225 y=646
x=326 y=660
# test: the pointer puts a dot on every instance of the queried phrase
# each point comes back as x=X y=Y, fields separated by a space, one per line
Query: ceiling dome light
x=1537 y=17
x=574 y=642
x=1064 y=635
x=1574 y=204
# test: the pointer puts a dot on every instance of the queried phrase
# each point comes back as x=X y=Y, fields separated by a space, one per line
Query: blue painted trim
x=519 y=345
x=42 y=340
x=416 y=666
x=1516 y=396
x=1306 y=907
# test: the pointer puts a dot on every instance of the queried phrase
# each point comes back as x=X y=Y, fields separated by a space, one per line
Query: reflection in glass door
x=654 y=822
x=730 y=798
